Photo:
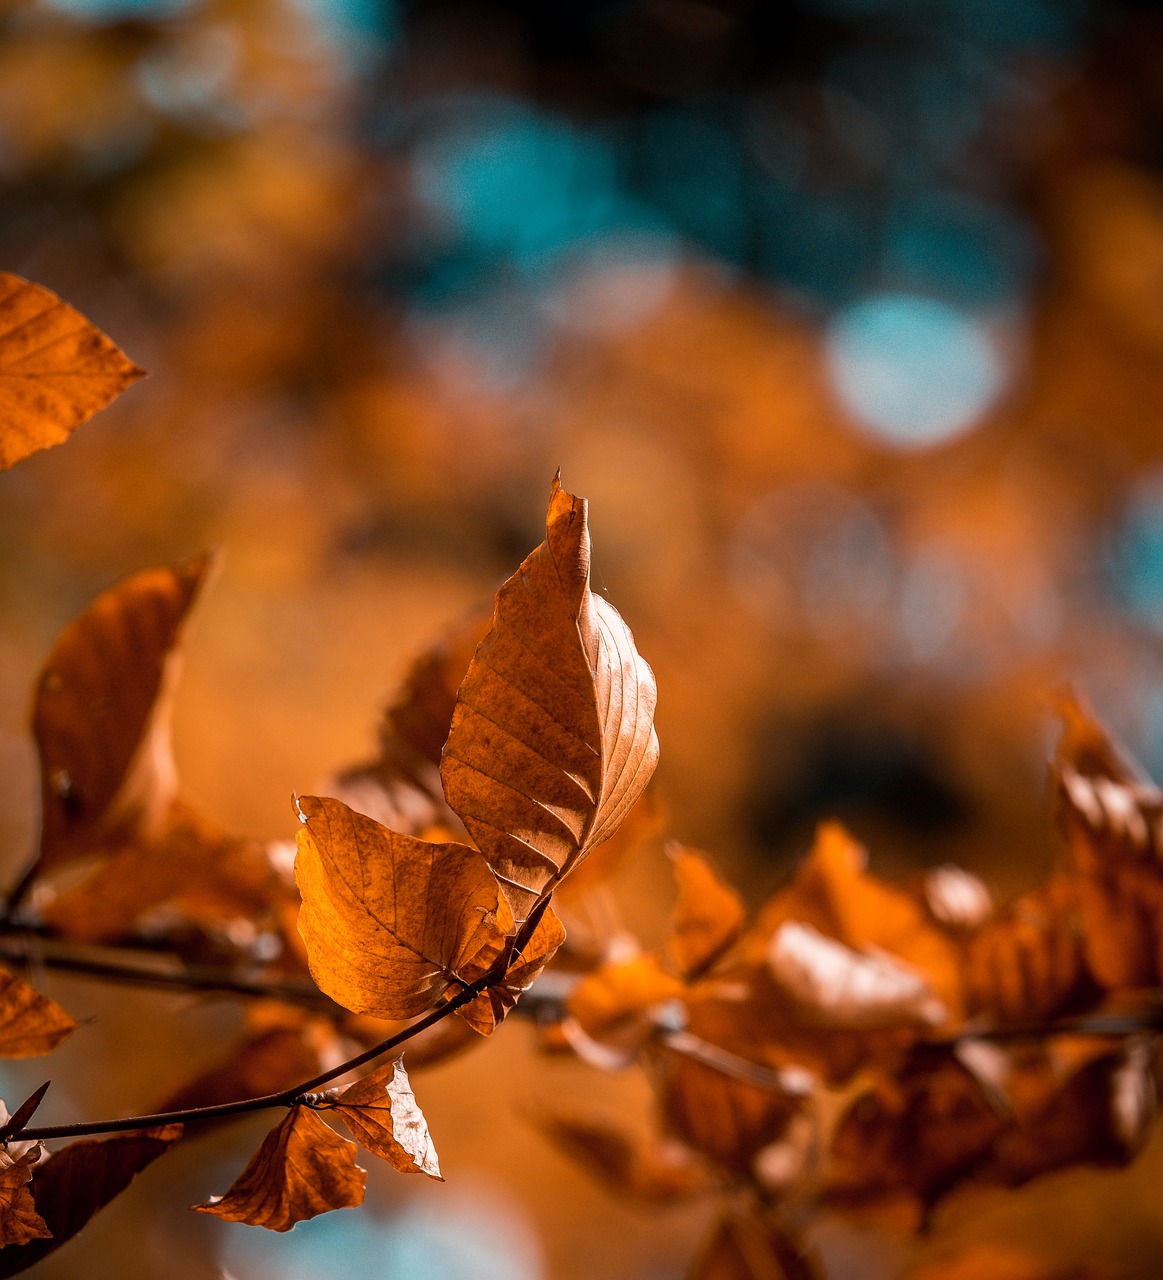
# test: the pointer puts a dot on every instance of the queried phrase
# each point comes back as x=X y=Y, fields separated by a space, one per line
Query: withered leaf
x=303 y=1168
x=56 y=369
x=613 y=997
x=751 y=1248
x=645 y=1169
x=835 y=986
x=101 y=715
x=30 y=1024
x=490 y=1008
x=835 y=893
x=708 y=915
x=390 y=922
x=77 y=1181
x=552 y=740
x=19 y=1220
x=383 y=1115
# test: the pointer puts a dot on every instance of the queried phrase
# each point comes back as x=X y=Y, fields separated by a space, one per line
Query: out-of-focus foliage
x=845 y=316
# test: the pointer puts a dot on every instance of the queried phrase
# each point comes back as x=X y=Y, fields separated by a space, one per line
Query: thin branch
x=290 y=1097
x=117 y=965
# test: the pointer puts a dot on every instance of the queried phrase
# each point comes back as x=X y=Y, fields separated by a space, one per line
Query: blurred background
x=847 y=316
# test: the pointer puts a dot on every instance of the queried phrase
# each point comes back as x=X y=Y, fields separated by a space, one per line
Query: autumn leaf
x=834 y=893
x=77 y=1181
x=614 y=997
x=56 y=369
x=392 y=923
x=30 y=1024
x=101 y=715
x=492 y=1005
x=19 y=1220
x=382 y=1114
x=708 y=915
x=552 y=740
x=835 y=986
x=749 y=1248
x=303 y=1168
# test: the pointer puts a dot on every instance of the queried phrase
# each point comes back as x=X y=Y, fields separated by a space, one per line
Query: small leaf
x=303 y=1168
x=56 y=369
x=101 y=715
x=553 y=737
x=12 y=1125
x=77 y=1181
x=19 y=1220
x=489 y=1009
x=384 y=1117
x=30 y=1024
x=708 y=915
x=390 y=922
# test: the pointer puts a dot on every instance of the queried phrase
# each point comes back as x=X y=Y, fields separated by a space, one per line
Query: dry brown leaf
x=101 y=715
x=56 y=369
x=834 y=892
x=390 y=922
x=303 y=1168
x=708 y=915
x=835 y=986
x=645 y=823
x=751 y=1248
x=19 y=1220
x=1026 y=964
x=553 y=736
x=382 y=1114
x=645 y=1169
x=77 y=1181
x=30 y=1024
x=490 y=1008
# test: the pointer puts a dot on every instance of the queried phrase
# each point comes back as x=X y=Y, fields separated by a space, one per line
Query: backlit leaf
x=77 y=1181
x=383 y=1115
x=489 y=1009
x=30 y=1023
x=56 y=369
x=19 y=1220
x=303 y=1168
x=101 y=715
x=390 y=922
x=553 y=736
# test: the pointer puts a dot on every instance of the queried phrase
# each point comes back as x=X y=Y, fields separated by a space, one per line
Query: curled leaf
x=490 y=1008
x=303 y=1168
x=19 y=1220
x=553 y=736
x=390 y=922
x=56 y=369
x=383 y=1115
x=101 y=715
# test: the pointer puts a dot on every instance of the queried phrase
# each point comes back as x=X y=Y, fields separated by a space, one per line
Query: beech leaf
x=56 y=369
x=77 y=1181
x=19 y=1220
x=383 y=1115
x=101 y=715
x=303 y=1168
x=489 y=1009
x=390 y=922
x=30 y=1024
x=552 y=740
